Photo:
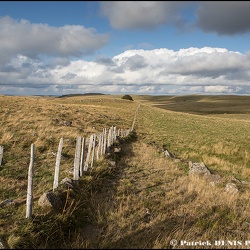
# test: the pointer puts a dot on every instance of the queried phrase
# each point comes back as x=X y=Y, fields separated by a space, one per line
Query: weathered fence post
x=77 y=159
x=114 y=134
x=93 y=153
x=58 y=159
x=108 y=140
x=29 y=200
x=86 y=165
x=1 y=155
x=99 y=147
x=104 y=140
x=82 y=156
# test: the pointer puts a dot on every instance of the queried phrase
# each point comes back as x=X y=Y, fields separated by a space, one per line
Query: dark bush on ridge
x=127 y=97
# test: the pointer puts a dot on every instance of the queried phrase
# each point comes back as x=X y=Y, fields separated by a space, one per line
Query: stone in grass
x=231 y=188
x=117 y=150
x=168 y=154
x=7 y=203
x=198 y=168
x=213 y=179
x=112 y=163
x=66 y=123
x=50 y=199
x=67 y=183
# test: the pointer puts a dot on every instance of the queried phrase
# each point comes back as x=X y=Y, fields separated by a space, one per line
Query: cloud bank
x=157 y=71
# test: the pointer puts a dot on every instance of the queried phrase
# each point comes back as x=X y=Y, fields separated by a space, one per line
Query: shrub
x=127 y=97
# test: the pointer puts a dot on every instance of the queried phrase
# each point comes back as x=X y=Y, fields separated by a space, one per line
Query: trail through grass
x=151 y=201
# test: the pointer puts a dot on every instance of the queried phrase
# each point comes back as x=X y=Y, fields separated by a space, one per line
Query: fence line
x=104 y=143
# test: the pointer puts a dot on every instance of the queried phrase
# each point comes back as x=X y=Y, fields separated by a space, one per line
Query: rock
x=168 y=154
x=117 y=150
x=50 y=199
x=67 y=183
x=112 y=163
x=7 y=203
x=147 y=216
x=231 y=188
x=235 y=180
x=177 y=160
x=66 y=123
x=198 y=168
x=213 y=179
x=246 y=183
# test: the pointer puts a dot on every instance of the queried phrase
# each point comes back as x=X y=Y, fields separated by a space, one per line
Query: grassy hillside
x=222 y=143
x=110 y=209
x=202 y=104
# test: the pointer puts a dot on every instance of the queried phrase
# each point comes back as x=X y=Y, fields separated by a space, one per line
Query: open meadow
x=145 y=200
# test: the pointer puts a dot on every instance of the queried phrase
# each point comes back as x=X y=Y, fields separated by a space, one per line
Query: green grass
x=222 y=143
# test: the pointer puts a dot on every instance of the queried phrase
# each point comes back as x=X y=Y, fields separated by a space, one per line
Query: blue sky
x=136 y=47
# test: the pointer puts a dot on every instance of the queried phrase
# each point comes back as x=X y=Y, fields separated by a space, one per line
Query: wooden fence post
x=114 y=134
x=109 y=139
x=86 y=165
x=29 y=200
x=82 y=156
x=104 y=140
x=77 y=159
x=1 y=155
x=99 y=147
x=58 y=159
x=93 y=153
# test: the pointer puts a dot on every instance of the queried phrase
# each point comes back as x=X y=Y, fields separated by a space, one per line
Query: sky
x=130 y=47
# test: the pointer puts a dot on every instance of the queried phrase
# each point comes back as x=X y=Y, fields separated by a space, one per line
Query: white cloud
x=218 y=89
x=32 y=40
x=158 y=71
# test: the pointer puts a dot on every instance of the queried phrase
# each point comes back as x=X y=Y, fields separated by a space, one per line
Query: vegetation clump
x=127 y=97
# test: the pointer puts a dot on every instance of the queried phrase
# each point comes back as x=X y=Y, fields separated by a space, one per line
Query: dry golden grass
x=111 y=210
x=27 y=120
x=182 y=207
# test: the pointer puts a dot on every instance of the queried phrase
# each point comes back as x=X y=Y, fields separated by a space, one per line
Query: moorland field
x=145 y=200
